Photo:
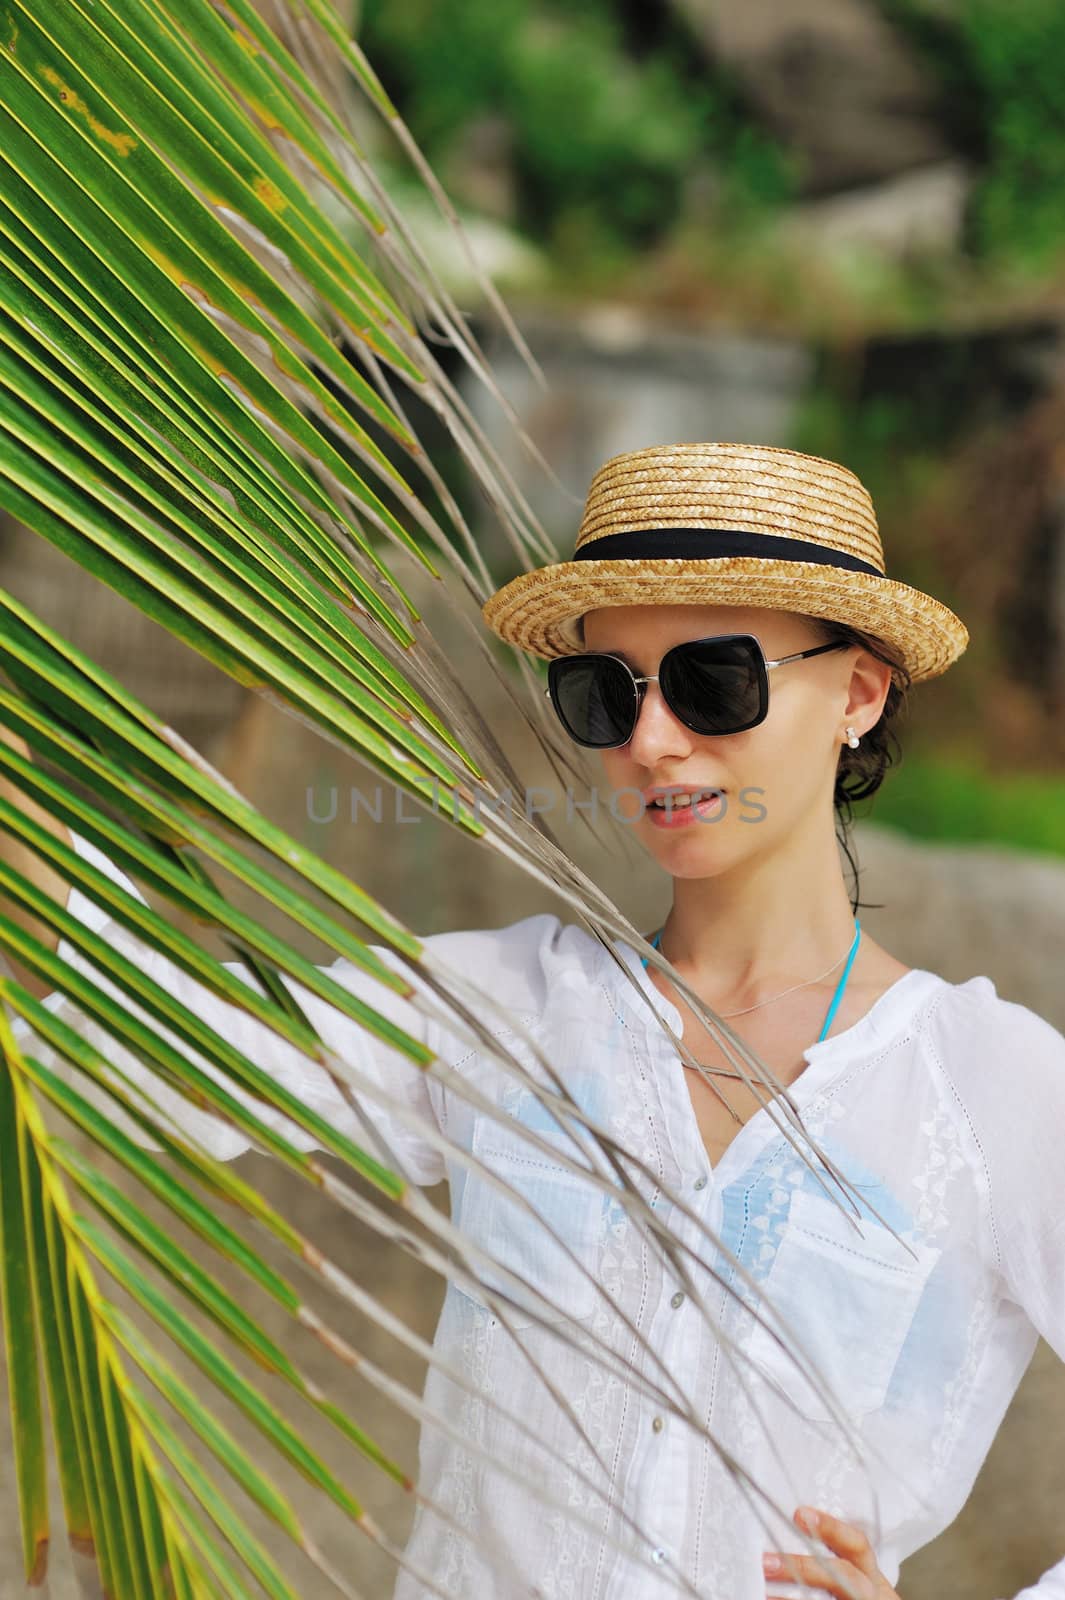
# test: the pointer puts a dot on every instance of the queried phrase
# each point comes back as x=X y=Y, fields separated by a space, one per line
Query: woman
x=725 y=625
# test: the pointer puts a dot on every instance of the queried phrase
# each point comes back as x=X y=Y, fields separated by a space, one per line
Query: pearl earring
x=853 y=739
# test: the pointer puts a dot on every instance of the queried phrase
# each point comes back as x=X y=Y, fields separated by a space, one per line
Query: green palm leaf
x=210 y=316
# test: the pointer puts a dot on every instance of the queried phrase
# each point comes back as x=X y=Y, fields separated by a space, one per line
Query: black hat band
x=702 y=544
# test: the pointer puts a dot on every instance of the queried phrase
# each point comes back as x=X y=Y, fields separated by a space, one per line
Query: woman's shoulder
x=521 y=963
x=994 y=1047
x=975 y=1003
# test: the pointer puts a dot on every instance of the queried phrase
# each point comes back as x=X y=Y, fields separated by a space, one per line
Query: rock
x=480 y=169
x=914 y=213
x=832 y=78
x=964 y=910
x=618 y=380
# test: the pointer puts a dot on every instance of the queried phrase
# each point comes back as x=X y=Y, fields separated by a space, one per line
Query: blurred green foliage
x=604 y=135
x=946 y=798
x=884 y=439
x=1000 y=63
x=610 y=139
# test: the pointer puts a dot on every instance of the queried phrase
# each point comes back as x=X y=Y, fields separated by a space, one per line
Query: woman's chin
x=694 y=851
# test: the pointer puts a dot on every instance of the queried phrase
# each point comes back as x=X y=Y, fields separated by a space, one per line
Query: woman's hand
x=851 y=1572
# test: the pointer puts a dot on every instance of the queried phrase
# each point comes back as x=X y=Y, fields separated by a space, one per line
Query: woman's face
x=776 y=778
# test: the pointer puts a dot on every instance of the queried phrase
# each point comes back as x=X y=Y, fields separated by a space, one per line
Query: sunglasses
x=714 y=686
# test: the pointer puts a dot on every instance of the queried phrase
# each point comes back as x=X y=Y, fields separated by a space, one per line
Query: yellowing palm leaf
x=208 y=313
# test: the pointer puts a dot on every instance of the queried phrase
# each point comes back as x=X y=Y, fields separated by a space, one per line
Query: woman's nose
x=658 y=731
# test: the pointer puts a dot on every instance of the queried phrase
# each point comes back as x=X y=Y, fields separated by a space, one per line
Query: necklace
x=727 y=1072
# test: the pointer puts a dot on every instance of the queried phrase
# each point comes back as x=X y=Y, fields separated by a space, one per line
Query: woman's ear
x=869 y=686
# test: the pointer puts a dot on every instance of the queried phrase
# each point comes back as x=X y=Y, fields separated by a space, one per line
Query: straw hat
x=727 y=524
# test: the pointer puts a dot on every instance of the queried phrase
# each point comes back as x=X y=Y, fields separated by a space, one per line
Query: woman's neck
x=746 y=938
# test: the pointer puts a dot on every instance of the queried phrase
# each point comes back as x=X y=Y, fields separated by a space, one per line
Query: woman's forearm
x=14 y=853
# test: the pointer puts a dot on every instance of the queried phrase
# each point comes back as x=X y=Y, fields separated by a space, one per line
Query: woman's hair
x=860 y=772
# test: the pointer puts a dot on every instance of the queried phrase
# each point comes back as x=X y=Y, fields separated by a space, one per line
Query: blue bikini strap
x=838 y=996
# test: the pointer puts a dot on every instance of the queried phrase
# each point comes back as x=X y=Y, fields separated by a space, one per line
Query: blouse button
x=677 y=1299
x=700 y=1183
x=658 y=1556
x=657 y=1424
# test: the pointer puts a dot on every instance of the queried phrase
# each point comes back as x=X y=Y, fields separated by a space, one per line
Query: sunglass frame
x=640 y=680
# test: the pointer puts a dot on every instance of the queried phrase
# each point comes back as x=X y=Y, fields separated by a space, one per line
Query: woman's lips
x=672 y=815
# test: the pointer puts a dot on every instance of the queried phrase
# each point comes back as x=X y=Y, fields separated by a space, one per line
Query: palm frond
x=213 y=322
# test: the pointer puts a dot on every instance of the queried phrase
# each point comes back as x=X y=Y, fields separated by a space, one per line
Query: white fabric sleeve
x=1019 y=1115
x=1051 y=1585
x=385 y=1066
x=1014 y=1092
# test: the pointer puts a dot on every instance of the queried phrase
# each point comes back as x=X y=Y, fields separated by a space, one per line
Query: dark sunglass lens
x=595 y=698
x=714 y=685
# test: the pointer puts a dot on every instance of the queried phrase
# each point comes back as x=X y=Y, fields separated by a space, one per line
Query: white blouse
x=944 y=1105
